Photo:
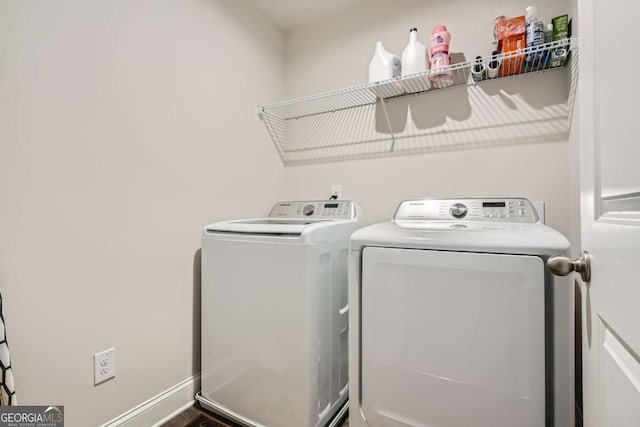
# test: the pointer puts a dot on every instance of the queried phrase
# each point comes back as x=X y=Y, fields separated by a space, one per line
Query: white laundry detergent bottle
x=414 y=57
x=384 y=65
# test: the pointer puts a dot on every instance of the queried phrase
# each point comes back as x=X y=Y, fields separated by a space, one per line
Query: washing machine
x=455 y=320
x=275 y=315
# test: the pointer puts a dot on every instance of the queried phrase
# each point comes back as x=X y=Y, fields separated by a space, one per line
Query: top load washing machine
x=455 y=320
x=275 y=315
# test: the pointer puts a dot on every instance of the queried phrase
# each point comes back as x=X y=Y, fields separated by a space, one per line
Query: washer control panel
x=496 y=210
x=316 y=209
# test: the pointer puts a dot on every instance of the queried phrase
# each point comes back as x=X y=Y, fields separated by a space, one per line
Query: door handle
x=562 y=266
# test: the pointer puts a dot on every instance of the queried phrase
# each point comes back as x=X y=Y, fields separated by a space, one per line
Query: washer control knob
x=458 y=210
x=308 y=210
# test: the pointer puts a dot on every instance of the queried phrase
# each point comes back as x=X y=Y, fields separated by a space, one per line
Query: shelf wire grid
x=363 y=121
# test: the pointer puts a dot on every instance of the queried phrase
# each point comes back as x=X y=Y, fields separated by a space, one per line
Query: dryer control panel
x=314 y=209
x=512 y=210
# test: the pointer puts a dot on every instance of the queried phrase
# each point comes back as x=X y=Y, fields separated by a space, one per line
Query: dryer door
x=452 y=339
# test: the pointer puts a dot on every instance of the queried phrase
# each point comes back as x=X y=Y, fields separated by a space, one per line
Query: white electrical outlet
x=336 y=190
x=104 y=365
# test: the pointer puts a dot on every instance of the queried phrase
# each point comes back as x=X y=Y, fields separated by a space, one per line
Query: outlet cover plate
x=104 y=365
x=336 y=190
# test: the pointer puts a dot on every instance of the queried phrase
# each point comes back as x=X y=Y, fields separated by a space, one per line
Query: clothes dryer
x=456 y=321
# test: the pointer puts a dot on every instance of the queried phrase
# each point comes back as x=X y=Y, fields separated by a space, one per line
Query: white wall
x=125 y=126
x=336 y=52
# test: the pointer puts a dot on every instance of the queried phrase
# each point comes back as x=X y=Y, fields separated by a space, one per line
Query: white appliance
x=275 y=315
x=455 y=320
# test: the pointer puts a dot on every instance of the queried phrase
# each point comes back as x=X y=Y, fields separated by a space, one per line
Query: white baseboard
x=160 y=408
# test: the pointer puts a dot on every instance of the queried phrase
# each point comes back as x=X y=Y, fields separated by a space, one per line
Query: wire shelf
x=375 y=119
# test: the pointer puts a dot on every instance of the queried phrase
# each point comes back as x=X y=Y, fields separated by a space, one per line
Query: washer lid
x=264 y=226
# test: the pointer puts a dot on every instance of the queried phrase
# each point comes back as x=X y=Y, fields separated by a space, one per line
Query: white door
x=609 y=143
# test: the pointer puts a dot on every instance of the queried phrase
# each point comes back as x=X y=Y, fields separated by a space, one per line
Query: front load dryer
x=275 y=315
x=455 y=320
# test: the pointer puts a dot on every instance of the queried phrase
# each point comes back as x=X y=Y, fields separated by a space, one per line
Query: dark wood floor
x=197 y=417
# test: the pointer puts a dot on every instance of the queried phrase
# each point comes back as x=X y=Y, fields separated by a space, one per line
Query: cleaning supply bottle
x=546 y=55
x=535 y=36
x=548 y=32
x=414 y=56
x=384 y=65
x=441 y=76
x=493 y=66
x=479 y=70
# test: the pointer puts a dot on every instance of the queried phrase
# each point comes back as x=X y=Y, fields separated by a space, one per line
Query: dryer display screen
x=331 y=205
x=493 y=204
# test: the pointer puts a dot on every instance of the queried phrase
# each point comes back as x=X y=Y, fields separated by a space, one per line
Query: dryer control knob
x=308 y=210
x=458 y=210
